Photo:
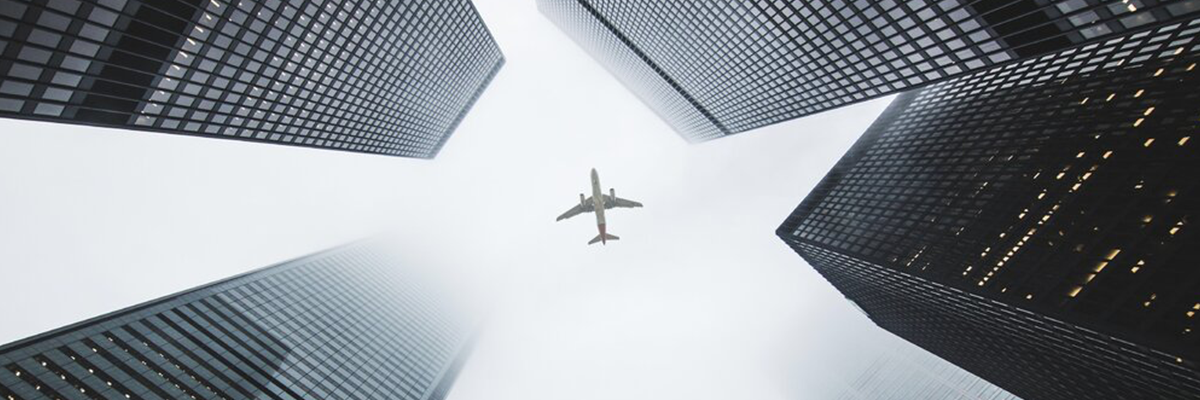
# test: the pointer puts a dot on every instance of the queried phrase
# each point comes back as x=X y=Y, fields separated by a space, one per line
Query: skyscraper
x=1032 y=223
x=717 y=68
x=903 y=372
x=392 y=78
x=339 y=324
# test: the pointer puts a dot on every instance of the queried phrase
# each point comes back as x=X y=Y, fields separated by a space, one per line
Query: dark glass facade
x=1032 y=223
x=392 y=78
x=342 y=324
x=716 y=68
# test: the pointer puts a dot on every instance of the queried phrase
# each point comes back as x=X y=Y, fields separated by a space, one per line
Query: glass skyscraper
x=1032 y=223
x=905 y=372
x=391 y=78
x=712 y=69
x=342 y=324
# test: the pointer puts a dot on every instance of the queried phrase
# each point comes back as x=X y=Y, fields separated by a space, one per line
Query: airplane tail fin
x=603 y=237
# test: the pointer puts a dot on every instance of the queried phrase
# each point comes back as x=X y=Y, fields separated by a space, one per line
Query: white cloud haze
x=698 y=300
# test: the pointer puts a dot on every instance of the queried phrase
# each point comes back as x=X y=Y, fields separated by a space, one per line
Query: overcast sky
x=698 y=300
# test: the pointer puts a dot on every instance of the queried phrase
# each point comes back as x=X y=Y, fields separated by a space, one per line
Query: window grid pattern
x=392 y=78
x=907 y=372
x=641 y=77
x=1026 y=353
x=1063 y=185
x=756 y=63
x=339 y=324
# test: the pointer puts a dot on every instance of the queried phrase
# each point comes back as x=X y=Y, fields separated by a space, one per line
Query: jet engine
x=582 y=200
x=612 y=192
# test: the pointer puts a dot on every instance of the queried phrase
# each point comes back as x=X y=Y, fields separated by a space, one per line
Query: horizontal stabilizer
x=606 y=238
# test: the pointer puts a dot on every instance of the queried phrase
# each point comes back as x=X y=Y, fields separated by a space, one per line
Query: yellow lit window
x=1184 y=140
x=1029 y=297
x=1080 y=155
x=1139 y=93
x=1110 y=97
x=1138 y=122
x=1148 y=111
x=1147 y=219
x=1159 y=72
x=1074 y=292
x=1149 y=142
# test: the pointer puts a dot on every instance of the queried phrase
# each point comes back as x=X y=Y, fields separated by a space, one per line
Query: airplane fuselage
x=598 y=204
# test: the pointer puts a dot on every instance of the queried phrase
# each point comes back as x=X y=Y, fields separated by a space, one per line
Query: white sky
x=698 y=300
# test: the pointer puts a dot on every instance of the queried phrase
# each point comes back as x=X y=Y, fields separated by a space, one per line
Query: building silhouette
x=1033 y=223
x=339 y=324
x=712 y=69
x=390 y=78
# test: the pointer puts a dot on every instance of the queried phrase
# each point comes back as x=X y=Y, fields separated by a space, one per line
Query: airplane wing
x=578 y=209
x=611 y=202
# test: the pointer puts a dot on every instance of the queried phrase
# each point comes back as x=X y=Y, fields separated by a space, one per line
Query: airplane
x=598 y=203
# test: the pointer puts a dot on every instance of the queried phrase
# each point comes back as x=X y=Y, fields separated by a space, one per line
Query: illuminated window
x=1175 y=229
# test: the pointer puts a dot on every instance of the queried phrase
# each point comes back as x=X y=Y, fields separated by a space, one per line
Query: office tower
x=341 y=324
x=903 y=372
x=717 y=68
x=392 y=78
x=1033 y=224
